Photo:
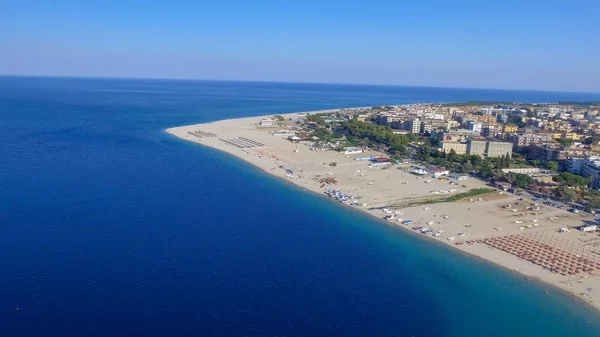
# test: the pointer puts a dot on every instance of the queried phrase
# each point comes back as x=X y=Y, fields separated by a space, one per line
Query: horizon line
x=290 y=82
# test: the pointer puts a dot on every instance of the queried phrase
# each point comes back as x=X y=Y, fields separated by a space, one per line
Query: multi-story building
x=591 y=168
x=476 y=146
x=528 y=139
x=452 y=124
x=464 y=133
x=475 y=126
x=549 y=151
x=490 y=131
x=430 y=125
x=458 y=147
x=498 y=149
x=414 y=125
x=509 y=128
x=574 y=164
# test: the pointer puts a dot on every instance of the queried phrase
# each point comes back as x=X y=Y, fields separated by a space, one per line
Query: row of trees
x=375 y=134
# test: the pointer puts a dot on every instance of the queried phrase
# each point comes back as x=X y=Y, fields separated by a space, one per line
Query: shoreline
x=276 y=153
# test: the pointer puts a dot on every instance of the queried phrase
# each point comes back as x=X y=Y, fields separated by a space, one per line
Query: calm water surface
x=111 y=227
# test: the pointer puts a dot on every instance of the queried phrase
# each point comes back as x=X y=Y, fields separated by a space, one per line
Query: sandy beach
x=523 y=237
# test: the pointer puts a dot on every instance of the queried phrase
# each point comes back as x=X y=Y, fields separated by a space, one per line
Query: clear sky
x=519 y=44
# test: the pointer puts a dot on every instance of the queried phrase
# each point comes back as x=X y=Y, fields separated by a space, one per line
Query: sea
x=109 y=226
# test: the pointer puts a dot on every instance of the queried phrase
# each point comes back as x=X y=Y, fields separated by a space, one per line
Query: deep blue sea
x=111 y=227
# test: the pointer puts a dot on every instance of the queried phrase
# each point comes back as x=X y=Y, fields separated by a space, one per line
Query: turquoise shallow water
x=111 y=227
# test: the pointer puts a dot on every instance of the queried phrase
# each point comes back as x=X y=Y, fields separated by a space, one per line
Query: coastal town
x=515 y=184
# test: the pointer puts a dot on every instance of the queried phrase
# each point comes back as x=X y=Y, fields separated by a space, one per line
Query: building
x=439 y=172
x=452 y=124
x=476 y=147
x=588 y=228
x=491 y=131
x=418 y=170
x=574 y=164
x=460 y=177
x=528 y=139
x=524 y=170
x=413 y=126
x=476 y=126
x=503 y=186
x=459 y=148
x=266 y=122
x=509 y=128
x=430 y=125
x=353 y=150
x=550 y=151
x=591 y=168
x=463 y=133
x=498 y=149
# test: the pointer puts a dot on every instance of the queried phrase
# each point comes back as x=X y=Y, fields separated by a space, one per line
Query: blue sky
x=526 y=44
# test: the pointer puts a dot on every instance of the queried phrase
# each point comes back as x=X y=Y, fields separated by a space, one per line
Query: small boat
x=452 y=238
x=518 y=221
x=417 y=228
x=461 y=234
x=498 y=228
x=430 y=223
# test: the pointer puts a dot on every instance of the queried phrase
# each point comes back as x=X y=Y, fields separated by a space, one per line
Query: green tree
x=467 y=166
x=452 y=156
x=566 y=194
x=521 y=180
x=572 y=180
x=315 y=118
x=536 y=163
x=507 y=161
x=552 y=166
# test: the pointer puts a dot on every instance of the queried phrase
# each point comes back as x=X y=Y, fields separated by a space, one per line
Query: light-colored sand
x=394 y=188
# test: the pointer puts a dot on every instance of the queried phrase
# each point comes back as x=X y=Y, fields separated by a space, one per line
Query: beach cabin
x=460 y=177
x=418 y=170
x=353 y=150
x=266 y=122
x=439 y=172
x=588 y=228
x=365 y=158
x=380 y=161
